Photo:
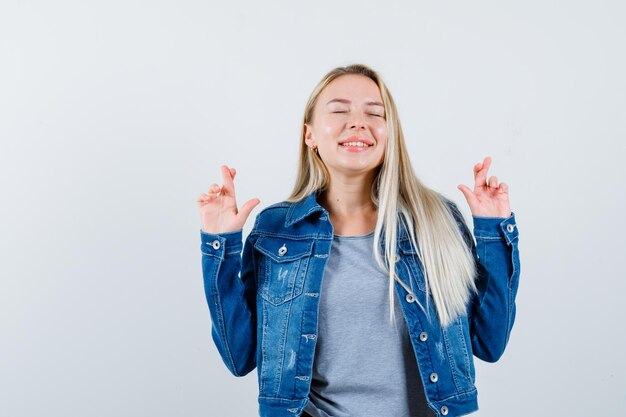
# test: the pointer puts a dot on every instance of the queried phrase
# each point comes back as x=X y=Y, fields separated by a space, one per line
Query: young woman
x=359 y=237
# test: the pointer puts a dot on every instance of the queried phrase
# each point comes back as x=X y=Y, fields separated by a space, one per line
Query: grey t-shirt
x=364 y=365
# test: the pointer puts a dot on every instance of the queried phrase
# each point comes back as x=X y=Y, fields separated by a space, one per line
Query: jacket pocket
x=282 y=267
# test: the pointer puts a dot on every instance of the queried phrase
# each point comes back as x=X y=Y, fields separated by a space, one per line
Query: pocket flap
x=284 y=250
x=406 y=247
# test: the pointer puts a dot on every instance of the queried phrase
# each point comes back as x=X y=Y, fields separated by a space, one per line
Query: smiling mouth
x=355 y=145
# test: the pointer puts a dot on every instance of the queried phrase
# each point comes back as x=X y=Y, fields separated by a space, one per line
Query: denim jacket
x=264 y=303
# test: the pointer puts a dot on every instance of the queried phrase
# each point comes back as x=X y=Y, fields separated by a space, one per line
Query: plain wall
x=116 y=115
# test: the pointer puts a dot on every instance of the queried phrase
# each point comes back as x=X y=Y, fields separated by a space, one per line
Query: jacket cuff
x=222 y=244
x=496 y=227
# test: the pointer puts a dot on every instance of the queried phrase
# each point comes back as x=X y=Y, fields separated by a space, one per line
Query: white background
x=116 y=115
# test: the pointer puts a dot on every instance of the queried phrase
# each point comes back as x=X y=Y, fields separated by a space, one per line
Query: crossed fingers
x=480 y=178
x=228 y=187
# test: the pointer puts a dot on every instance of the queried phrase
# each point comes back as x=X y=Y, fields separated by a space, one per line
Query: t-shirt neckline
x=354 y=236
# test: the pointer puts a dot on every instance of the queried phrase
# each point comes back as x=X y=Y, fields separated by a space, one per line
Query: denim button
x=434 y=377
x=216 y=244
x=282 y=250
x=444 y=410
x=510 y=227
x=410 y=298
x=423 y=336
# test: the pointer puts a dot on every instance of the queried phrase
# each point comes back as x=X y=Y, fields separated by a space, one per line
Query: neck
x=349 y=204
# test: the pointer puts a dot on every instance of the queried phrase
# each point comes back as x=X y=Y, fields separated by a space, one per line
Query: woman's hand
x=488 y=198
x=218 y=208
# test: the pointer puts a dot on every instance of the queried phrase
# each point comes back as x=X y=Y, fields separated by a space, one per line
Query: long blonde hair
x=399 y=196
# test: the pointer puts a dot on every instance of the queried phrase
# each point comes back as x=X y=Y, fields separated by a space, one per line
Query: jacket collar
x=309 y=205
x=303 y=208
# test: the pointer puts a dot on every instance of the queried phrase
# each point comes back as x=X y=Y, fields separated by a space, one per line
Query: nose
x=357 y=122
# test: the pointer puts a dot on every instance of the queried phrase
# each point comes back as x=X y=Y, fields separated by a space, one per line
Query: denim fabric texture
x=263 y=305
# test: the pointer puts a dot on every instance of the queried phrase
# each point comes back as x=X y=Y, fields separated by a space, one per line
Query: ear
x=308 y=135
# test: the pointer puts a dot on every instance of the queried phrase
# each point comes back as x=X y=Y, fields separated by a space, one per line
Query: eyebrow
x=343 y=100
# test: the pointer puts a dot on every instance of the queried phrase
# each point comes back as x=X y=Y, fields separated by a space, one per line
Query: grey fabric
x=382 y=380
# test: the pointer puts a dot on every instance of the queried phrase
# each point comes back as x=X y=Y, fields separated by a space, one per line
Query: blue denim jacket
x=264 y=305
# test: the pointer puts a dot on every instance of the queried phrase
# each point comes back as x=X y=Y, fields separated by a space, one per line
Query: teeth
x=355 y=144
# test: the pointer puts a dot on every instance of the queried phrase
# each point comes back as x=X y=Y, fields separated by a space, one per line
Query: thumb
x=469 y=195
x=247 y=207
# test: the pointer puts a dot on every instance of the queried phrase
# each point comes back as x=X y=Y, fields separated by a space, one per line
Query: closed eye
x=371 y=114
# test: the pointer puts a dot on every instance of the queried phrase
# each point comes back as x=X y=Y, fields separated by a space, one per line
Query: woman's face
x=350 y=109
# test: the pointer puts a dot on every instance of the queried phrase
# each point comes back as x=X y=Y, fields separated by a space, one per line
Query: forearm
x=498 y=268
x=232 y=315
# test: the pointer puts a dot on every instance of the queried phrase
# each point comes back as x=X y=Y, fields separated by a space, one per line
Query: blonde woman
x=312 y=298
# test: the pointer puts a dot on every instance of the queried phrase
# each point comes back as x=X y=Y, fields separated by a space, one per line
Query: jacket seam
x=478 y=236
x=293 y=237
x=459 y=394
x=510 y=298
x=222 y=326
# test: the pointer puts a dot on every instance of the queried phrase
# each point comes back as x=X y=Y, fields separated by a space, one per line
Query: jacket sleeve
x=491 y=313
x=230 y=289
